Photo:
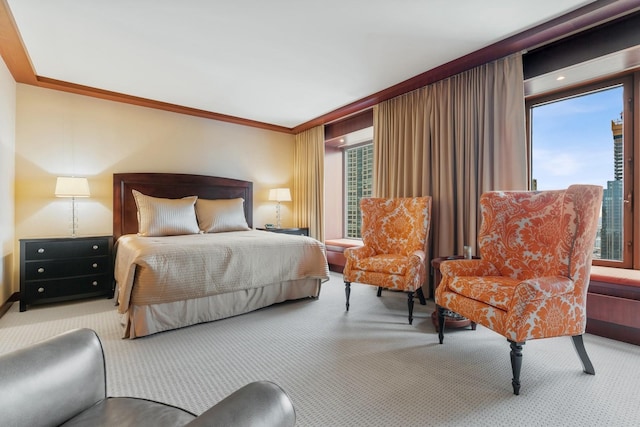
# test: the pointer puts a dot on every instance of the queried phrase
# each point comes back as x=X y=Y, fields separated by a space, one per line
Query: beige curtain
x=454 y=140
x=308 y=181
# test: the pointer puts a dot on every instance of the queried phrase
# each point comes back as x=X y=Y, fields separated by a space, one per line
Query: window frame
x=631 y=123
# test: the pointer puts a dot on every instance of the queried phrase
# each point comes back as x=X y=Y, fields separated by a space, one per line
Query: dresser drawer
x=75 y=248
x=50 y=269
x=47 y=289
x=65 y=268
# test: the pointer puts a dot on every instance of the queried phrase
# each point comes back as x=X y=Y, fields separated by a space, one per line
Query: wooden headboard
x=173 y=186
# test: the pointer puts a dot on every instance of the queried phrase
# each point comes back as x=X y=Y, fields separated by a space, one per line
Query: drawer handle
x=40 y=290
x=95 y=247
x=95 y=265
x=94 y=283
x=41 y=270
x=40 y=250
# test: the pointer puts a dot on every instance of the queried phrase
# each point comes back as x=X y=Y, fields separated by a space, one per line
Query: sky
x=572 y=140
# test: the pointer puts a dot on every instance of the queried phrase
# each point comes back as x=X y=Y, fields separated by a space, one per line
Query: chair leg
x=379 y=291
x=516 y=364
x=587 y=367
x=440 y=312
x=421 y=298
x=410 y=304
x=347 y=292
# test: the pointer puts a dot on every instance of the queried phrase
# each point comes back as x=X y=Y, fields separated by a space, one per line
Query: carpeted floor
x=367 y=367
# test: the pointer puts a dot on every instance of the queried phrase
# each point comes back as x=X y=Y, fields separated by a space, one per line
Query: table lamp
x=72 y=187
x=279 y=195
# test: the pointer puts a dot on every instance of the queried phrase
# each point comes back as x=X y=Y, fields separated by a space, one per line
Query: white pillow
x=165 y=217
x=215 y=216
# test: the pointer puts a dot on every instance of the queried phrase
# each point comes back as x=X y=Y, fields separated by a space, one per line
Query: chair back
x=528 y=234
x=519 y=231
x=52 y=381
x=586 y=202
x=396 y=225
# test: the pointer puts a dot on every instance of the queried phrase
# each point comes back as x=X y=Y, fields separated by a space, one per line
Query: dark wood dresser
x=303 y=231
x=66 y=268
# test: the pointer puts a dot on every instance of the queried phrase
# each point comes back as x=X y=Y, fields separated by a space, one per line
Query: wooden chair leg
x=421 y=298
x=379 y=291
x=347 y=292
x=587 y=367
x=410 y=304
x=440 y=312
x=516 y=364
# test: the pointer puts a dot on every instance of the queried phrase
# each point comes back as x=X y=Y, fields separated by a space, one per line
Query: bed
x=170 y=275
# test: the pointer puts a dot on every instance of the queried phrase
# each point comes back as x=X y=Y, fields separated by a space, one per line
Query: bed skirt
x=144 y=320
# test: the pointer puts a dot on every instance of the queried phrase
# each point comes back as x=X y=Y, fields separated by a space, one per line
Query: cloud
x=559 y=168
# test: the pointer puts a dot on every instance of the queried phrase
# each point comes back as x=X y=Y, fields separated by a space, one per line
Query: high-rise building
x=359 y=184
x=612 y=201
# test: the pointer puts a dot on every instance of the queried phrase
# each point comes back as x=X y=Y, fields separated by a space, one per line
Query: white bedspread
x=174 y=268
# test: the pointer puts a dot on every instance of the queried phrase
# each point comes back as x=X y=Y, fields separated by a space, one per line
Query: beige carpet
x=368 y=367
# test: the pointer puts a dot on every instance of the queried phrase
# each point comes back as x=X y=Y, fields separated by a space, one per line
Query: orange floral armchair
x=394 y=235
x=531 y=281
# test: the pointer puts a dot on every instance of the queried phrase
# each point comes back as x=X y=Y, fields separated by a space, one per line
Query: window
x=580 y=137
x=358 y=174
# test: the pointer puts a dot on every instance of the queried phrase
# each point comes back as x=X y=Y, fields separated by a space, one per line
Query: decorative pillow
x=215 y=216
x=165 y=217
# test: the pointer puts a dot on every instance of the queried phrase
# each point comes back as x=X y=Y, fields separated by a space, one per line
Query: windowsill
x=613 y=300
x=335 y=252
x=619 y=276
x=343 y=243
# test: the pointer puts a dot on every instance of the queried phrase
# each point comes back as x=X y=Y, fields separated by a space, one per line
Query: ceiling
x=279 y=62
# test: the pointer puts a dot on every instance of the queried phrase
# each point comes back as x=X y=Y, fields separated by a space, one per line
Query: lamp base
x=74 y=217
x=278 y=223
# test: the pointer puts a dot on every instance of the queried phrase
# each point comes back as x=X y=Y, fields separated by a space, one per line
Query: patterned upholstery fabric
x=394 y=234
x=532 y=279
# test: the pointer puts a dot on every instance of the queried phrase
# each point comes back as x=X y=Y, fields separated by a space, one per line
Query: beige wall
x=7 y=148
x=62 y=134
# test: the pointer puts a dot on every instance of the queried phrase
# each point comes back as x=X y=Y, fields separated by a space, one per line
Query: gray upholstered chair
x=62 y=381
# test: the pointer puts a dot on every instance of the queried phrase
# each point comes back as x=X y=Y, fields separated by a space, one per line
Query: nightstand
x=304 y=231
x=66 y=268
x=451 y=319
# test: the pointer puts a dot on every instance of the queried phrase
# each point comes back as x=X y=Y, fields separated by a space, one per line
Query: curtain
x=308 y=181
x=454 y=140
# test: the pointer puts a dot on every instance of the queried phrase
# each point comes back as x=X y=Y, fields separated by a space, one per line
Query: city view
x=579 y=141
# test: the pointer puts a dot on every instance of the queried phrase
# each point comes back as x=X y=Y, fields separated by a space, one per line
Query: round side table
x=451 y=319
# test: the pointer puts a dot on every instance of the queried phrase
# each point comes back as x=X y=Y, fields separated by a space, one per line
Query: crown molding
x=48 y=83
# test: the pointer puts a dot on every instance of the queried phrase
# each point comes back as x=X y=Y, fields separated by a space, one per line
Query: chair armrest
x=258 y=404
x=358 y=253
x=416 y=259
x=527 y=320
x=51 y=381
x=467 y=267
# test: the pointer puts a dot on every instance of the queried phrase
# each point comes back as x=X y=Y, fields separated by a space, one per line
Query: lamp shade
x=280 y=195
x=72 y=187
